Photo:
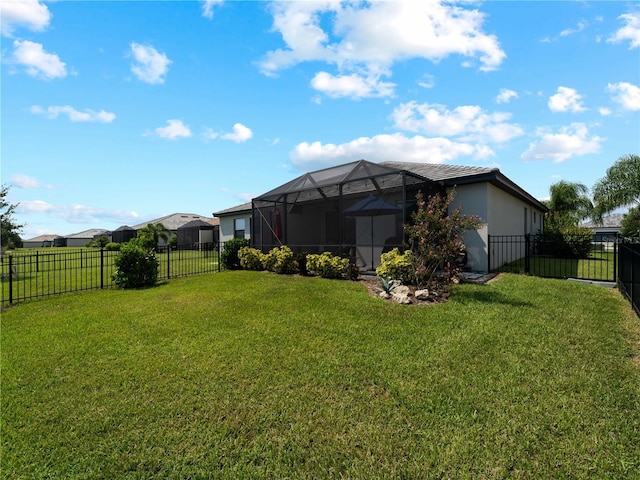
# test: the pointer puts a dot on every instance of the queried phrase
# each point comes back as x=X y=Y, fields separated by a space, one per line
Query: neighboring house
x=81 y=239
x=605 y=232
x=41 y=241
x=123 y=234
x=358 y=209
x=235 y=222
x=173 y=222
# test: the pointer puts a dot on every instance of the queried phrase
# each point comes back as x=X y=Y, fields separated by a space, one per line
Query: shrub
x=112 y=247
x=436 y=238
x=397 y=266
x=229 y=255
x=280 y=260
x=327 y=265
x=251 y=258
x=136 y=267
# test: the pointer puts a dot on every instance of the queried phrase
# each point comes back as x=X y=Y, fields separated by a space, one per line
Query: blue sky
x=115 y=113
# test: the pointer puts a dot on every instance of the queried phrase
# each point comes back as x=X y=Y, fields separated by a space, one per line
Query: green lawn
x=254 y=375
x=598 y=266
x=41 y=272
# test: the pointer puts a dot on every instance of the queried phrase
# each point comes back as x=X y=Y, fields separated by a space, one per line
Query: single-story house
x=235 y=222
x=606 y=230
x=173 y=222
x=81 y=239
x=41 y=241
x=358 y=209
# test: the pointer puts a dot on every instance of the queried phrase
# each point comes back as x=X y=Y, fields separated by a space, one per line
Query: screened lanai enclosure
x=356 y=210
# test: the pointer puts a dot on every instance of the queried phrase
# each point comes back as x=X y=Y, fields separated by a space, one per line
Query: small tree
x=631 y=223
x=436 y=238
x=152 y=233
x=9 y=228
x=229 y=255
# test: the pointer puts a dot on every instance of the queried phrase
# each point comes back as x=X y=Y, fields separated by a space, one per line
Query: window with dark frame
x=238 y=227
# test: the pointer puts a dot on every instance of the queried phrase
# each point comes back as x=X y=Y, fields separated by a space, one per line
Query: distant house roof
x=91 y=233
x=613 y=221
x=245 y=207
x=42 y=238
x=174 y=221
x=201 y=224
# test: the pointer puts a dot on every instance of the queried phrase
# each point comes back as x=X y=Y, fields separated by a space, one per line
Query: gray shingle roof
x=174 y=221
x=245 y=207
x=610 y=221
x=91 y=233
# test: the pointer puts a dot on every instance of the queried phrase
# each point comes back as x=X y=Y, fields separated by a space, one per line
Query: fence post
x=10 y=278
x=37 y=262
x=527 y=254
x=615 y=259
x=488 y=253
x=101 y=267
x=168 y=262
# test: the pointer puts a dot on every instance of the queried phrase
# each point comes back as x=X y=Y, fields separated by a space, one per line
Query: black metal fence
x=25 y=275
x=555 y=256
x=629 y=270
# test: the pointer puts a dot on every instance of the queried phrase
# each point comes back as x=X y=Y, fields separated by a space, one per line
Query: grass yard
x=42 y=272
x=255 y=375
x=598 y=266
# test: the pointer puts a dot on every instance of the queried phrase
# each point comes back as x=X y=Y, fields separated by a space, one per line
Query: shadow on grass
x=483 y=294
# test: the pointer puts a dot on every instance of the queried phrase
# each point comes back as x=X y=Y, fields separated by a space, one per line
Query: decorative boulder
x=422 y=294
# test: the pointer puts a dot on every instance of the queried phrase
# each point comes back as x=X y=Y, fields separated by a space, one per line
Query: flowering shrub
x=397 y=266
x=251 y=258
x=327 y=265
x=435 y=237
x=280 y=260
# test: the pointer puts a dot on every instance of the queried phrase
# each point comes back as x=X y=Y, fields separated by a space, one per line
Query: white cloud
x=469 y=122
x=626 y=94
x=506 y=95
x=428 y=81
x=38 y=63
x=582 y=24
x=371 y=37
x=31 y=14
x=77 y=213
x=566 y=100
x=150 y=65
x=353 y=85
x=35 y=206
x=74 y=115
x=240 y=134
x=24 y=181
x=384 y=148
x=604 y=111
x=207 y=7
x=571 y=141
x=631 y=31
x=174 y=129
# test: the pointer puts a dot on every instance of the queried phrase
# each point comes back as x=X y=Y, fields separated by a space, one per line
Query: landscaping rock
x=422 y=294
x=402 y=290
x=401 y=298
x=384 y=295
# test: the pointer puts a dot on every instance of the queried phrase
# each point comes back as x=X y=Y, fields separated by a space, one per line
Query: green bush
x=571 y=242
x=112 y=247
x=280 y=260
x=229 y=255
x=397 y=266
x=251 y=258
x=327 y=265
x=136 y=267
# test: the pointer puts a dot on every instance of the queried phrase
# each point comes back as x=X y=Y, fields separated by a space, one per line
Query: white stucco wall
x=227 y=226
x=474 y=201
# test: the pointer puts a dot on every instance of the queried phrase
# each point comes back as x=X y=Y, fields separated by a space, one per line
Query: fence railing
x=554 y=256
x=25 y=275
x=629 y=271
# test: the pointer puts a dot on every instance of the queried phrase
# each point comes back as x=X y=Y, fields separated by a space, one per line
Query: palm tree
x=620 y=187
x=153 y=233
x=568 y=204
